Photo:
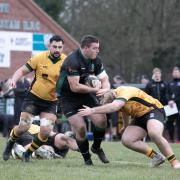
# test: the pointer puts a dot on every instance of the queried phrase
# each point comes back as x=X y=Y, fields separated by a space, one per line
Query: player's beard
x=55 y=55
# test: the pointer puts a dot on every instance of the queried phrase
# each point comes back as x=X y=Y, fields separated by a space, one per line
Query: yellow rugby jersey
x=137 y=101
x=34 y=129
x=46 y=75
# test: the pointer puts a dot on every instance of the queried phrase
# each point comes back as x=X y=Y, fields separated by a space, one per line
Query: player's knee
x=46 y=127
x=81 y=131
x=25 y=122
x=154 y=135
x=126 y=141
x=47 y=123
x=102 y=121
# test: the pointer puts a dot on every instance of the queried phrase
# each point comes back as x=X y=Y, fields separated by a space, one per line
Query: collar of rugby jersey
x=53 y=59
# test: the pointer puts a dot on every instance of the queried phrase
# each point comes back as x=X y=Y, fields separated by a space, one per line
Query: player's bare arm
x=22 y=71
x=105 y=85
x=78 y=87
x=107 y=108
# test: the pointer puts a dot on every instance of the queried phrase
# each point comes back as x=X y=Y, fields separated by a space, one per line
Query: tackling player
x=148 y=116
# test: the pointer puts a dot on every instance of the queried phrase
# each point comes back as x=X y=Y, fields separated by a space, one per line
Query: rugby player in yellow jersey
x=57 y=145
x=148 y=116
x=41 y=99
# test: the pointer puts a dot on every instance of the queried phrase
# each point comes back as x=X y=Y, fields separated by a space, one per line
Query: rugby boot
x=89 y=162
x=100 y=153
x=157 y=160
x=8 y=149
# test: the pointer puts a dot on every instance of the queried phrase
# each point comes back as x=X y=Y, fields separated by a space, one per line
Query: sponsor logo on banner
x=20 y=41
x=40 y=42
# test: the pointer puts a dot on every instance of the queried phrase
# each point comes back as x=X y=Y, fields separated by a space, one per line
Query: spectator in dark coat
x=157 y=88
x=174 y=97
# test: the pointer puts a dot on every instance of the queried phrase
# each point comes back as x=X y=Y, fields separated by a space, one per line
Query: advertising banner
x=4 y=51
x=40 y=42
x=20 y=41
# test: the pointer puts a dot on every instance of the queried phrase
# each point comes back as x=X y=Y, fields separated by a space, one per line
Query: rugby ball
x=92 y=81
x=17 y=151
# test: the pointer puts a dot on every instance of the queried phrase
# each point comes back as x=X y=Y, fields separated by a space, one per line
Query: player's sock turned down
x=151 y=153
x=172 y=159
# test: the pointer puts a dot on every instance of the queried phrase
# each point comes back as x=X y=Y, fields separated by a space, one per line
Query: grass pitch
x=124 y=165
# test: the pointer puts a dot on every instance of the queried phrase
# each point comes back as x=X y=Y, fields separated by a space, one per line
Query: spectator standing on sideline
x=41 y=99
x=157 y=88
x=20 y=93
x=74 y=94
x=174 y=97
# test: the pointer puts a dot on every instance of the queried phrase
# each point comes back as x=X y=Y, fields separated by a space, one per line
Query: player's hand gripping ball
x=93 y=81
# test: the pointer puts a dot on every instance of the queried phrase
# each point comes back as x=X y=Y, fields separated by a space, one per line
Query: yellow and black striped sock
x=151 y=153
x=171 y=158
x=13 y=135
x=36 y=143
